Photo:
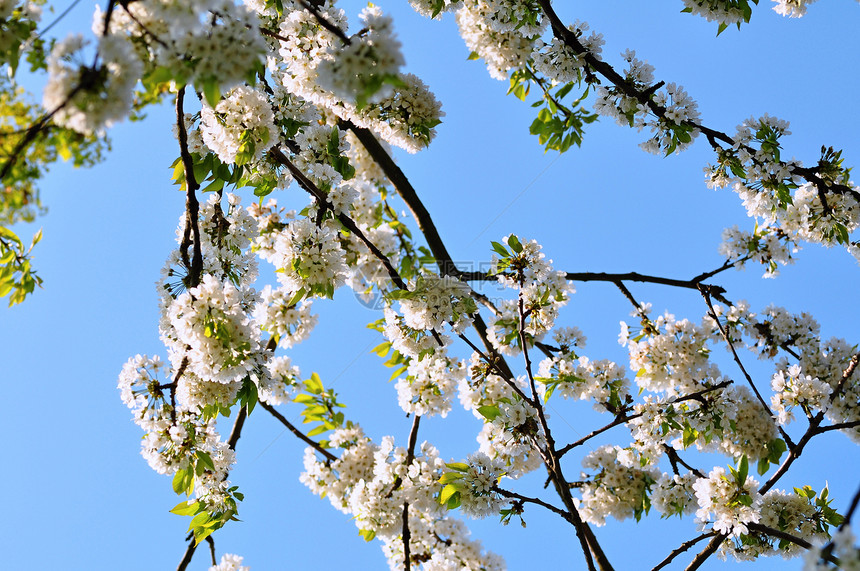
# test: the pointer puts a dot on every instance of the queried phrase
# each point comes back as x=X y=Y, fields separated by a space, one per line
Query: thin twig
x=301 y=435
x=348 y=223
x=851 y=509
x=707 y=295
x=237 y=427
x=703 y=555
x=537 y=501
x=681 y=549
x=211 y=543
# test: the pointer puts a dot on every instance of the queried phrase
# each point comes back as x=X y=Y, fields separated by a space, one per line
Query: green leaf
x=500 y=250
x=448 y=492
x=184 y=508
x=206 y=460
x=367 y=534
x=382 y=349
x=459 y=466
x=514 y=243
x=183 y=482
x=449 y=477
x=318 y=430
x=743 y=470
x=212 y=92
x=489 y=412
x=314 y=384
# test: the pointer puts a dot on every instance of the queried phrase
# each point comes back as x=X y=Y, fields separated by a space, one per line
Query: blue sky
x=78 y=494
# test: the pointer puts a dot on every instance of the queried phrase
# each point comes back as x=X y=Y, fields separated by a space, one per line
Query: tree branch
x=703 y=555
x=537 y=501
x=211 y=543
x=237 y=427
x=192 y=207
x=707 y=295
x=301 y=435
x=348 y=223
x=681 y=549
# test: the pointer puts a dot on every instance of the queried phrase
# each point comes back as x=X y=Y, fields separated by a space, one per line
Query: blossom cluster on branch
x=288 y=99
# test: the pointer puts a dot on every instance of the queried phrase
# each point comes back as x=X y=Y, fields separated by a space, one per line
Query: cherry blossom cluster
x=90 y=98
x=577 y=377
x=542 y=292
x=177 y=438
x=843 y=546
x=374 y=483
x=368 y=88
x=722 y=11
x=773 y=191
x=619 y=488
x=559 y=62
x=308 y=256
x=765 y=245
x=230 y=562
x=429 y=386
x=433 y=301
x=673 y=129
x=816 y=381
x=360 y=69
x=728 y=502
x=240 y=128
x=510 y=433
x=211 y=43
x=796 y=512
x=300 y=117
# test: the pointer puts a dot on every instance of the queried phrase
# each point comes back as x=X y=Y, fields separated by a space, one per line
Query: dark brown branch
x=703 y=555
x=422 y=217
x=763 y=529
x=192 y=207
x=839 y=426
x=846 y=374
x=407 y=537
x=323 y=21
x=626 y=293
x=211 y=543
x=681 y=549
x=851 y=509
x=675 y=459
x=301 y=435
x=447 y=267
x=623 y=417
x=637 y=277
x=34 y=130
x=410 y=456
x=793 y=453
x=237 y=427
x=692 y=283
x=407 y=192
x=413 y=440
x=189 y=553
x=645 y=97
x=535 y=400
x=347 y=222
x=552 y=460
x=707 y=295
x=537 y=501
x=618 y=421
x=507 y=377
